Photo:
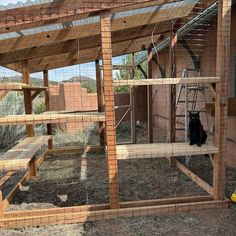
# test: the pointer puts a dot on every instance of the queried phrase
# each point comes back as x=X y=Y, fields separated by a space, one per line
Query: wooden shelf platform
x=20 y=87
x=190 y=80
x=140 y=151
x=19 y=156
x=52 y=118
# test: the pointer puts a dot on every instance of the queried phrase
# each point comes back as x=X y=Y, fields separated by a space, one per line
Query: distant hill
x=86 y=82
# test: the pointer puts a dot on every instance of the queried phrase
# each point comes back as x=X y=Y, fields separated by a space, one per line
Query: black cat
x=196 y=132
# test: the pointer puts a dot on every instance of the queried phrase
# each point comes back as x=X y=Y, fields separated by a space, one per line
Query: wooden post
x=149 y=104
x=32 y=167
x=1 y=203
x=133 y=107
x=27 y=96
x=109 y=108
x=47 y=105
x=221 y=100
x=100 y=98
x=172 y=112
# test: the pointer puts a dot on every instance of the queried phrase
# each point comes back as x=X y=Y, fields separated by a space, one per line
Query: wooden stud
x=47 y=105
x=172 y=99
x=100 y=98
x=109 y=108
x=149 y=104
x=27 y=96
x=32 y=167
x=221 y=99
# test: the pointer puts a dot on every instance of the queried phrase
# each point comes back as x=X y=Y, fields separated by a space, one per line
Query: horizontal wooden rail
x=164 y=81
x=142 y=151
x=52 y=118
x=20 y=86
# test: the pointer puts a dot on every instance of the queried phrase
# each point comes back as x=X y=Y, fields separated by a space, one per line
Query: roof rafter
x=63 y=11
x=83 y=31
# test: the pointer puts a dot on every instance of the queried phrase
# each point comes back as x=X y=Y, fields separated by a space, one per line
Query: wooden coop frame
x=22 y=156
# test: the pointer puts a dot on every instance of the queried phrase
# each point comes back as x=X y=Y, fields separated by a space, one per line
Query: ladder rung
x=180 y=129
x=185 y=101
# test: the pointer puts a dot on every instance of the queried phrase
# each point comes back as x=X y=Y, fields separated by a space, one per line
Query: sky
x=66 y=73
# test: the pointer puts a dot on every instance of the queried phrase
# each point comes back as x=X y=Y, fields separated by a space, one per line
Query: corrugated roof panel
x=90 y=20
x=9 y=35
x=42 y=29
x=23 y=4
x=153 y=8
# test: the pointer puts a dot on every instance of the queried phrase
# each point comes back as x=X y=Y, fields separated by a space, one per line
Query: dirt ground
x=69 y=180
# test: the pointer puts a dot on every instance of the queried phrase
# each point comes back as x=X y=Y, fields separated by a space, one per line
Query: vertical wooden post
x=149 y=104
x=221 y=100
x=27 y=96
x=32 y=167
x=1 y=203
x=47 y=105
x=133 y=107
x=100 y=96
x=172 y=112
x=109 y=108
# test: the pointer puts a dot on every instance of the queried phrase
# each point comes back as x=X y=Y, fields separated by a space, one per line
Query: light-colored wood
x=82 y=31
x=190 y=80
x=203 y=184
x=19 y=156
x=64 y=11
x=19 y=87
x=83 y=216
x=73 y=149
x=52 y=118
x=27 y=96
x=5 y=178
x=109 y=108
x=3 y=94
x=142 y=151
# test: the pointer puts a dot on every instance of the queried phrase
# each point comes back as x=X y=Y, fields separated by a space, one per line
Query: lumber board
x=88 y=30
x=83 y=216
x=19 y=156
x=53 y=118
x=203 y=184
x=166 y=81
x=64 y=11
x=19 y=87
x=142 y=151
x=5 y=178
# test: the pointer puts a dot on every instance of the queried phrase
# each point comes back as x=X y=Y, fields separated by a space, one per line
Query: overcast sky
x=5 y=2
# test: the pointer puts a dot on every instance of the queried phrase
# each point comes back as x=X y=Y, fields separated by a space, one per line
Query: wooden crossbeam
x=75 y=216
x=53 y=118
x=20 y=87
x=64 y=11
x=156 y=150
x=82 y=31
x=190 y=80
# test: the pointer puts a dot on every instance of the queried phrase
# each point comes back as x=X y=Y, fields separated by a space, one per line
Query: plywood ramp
x=139 y=151
x=53 y=118
x=19 y=156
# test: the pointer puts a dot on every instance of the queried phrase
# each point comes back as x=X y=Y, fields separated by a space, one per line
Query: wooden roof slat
x=83 y=31
x=63 y=11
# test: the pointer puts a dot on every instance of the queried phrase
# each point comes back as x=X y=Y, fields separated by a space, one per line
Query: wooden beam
x=109 y=108
x=35 y=94
x=100 y=98
x=88 y=30
x=167 y=81
x=47 y=105
x=149 y=104
x=27 y=96
x=75 y=216
x=203 y=184
x=223 y=70
x=64 y=11
x=172 y=97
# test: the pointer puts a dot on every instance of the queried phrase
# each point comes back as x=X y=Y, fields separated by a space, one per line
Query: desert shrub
x=12 y=104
